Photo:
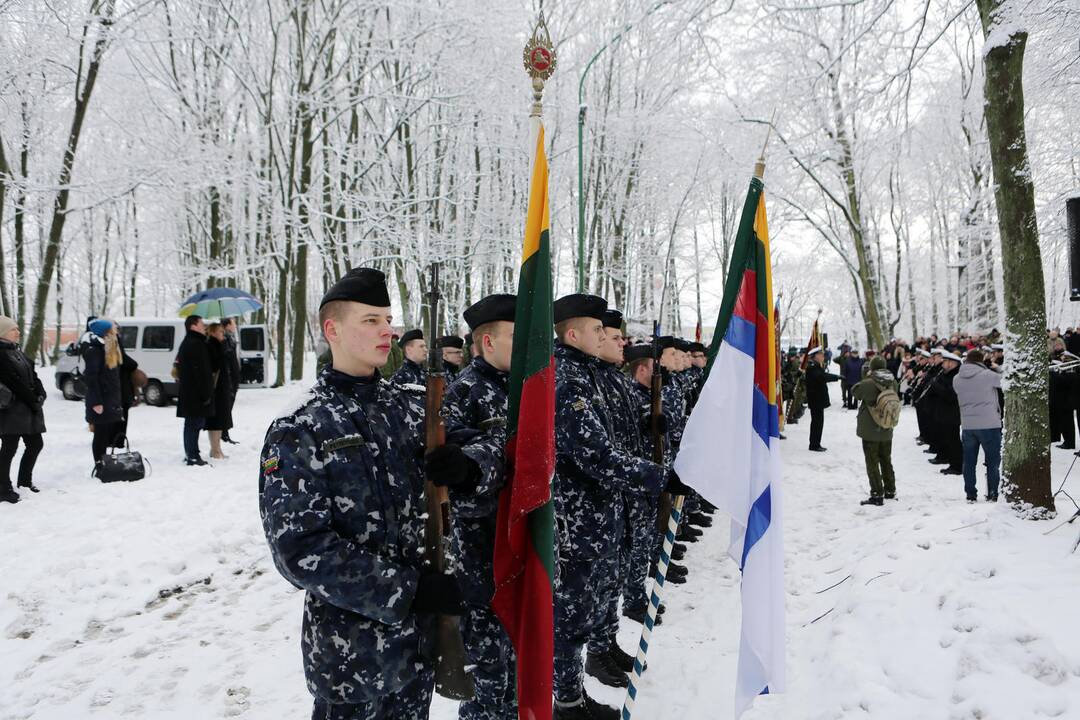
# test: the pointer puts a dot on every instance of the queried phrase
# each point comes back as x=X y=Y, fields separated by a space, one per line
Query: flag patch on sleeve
x=270 y=464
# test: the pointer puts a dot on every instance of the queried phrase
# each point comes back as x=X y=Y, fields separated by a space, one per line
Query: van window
x=158 y=337
x=128 y=336
x=252 y=339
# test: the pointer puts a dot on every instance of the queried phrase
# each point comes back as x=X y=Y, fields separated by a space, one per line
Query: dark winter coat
x=223 y=387
x=23 y=416
x=196 y=377
x=232 y=363
x=102 y=385
x=852 y=370
x=817 y=390
x=866 y=391
x=127 y=384
x=946 y=405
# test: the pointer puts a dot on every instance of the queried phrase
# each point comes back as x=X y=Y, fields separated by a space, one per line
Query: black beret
x=410 y=336
x=612 y=319
x=450 y=341
x=492 y=308
x=697 y=347
x=683 y=345
x=579 y=305
x=637 y=352
x=666 y=341
x=362 y=285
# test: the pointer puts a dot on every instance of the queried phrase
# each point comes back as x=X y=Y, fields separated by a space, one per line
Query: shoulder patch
x=495 y=422
x=579 y=404
x=342 y=442
x=270 y=464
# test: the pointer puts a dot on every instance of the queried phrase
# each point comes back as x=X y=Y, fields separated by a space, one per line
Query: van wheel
x=68 y=388
x=154 y=394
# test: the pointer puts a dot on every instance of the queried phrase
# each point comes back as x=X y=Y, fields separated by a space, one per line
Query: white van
x=153 y=343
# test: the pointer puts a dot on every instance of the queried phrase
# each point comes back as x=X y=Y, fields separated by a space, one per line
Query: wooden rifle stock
x=451 y=680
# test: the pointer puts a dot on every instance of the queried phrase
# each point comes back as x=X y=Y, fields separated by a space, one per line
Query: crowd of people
x=207 y=369
x=341 y=498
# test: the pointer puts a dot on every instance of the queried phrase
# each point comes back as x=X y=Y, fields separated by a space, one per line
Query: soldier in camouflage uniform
x=412 y=370
x=452 y=349
x=474 y=410
x=341 y=499
x=590 y=468
x=605 y=660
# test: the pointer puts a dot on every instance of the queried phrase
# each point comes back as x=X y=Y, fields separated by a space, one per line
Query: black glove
x=675 y=486
x=438 y=594
x=449 y=466
x=661 y=423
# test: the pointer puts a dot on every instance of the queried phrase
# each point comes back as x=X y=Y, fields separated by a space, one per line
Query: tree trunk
x=102 y=22
x=5 y=180
x=1027 y=431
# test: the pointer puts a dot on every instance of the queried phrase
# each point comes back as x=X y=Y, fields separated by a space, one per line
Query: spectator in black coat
x=196 y=379
x=232 y=359
x=947 y=416
x=102 y=359
x=223 y=389
x=817 y=395
x=22 y=416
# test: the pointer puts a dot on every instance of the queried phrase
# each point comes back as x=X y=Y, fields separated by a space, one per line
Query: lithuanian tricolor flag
x=524 y=539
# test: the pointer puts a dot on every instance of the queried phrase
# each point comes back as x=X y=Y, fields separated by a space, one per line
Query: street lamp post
x=581 y=139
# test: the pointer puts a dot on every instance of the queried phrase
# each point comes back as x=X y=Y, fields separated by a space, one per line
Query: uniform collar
x=350 y=384
x=485 y=368
x=566 y=352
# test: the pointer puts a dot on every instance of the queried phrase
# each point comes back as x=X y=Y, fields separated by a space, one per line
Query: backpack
x=885 y=411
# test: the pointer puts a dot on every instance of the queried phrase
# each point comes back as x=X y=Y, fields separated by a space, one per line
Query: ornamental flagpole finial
x=759 y=166
x=539 y=58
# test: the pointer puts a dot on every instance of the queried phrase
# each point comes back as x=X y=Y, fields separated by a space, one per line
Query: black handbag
x=127 y=466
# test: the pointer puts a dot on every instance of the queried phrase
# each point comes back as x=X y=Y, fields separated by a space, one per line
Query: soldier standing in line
x=341 y=499
x=947 y=415
x=472 y=466
x=589 y=469
x=604 y=659
x=453 y=355
x=411 y=372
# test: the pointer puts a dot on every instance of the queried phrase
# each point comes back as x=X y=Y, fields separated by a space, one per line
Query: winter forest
x=150 y=148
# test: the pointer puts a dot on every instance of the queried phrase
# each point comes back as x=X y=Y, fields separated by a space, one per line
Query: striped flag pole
x=654 y=603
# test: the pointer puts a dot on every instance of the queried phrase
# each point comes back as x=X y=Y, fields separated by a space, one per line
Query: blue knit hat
x=99 y=327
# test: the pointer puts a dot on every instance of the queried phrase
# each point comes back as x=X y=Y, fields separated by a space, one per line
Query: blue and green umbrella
x=220 y=302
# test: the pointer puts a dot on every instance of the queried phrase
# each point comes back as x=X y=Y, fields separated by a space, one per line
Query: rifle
x=451 y=680
x=656 y=409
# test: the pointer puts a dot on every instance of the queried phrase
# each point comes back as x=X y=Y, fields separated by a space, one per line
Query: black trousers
x=817 y=424
x=952 y=448
x=104 y=434
x=8 y=447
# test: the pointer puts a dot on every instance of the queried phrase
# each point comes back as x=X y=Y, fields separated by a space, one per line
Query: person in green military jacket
x=876 y=440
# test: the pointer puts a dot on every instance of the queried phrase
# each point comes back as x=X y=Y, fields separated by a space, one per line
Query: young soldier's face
x=452 y=355
x=360 y=339
x=499 y=345
x=643 y=373
x=588 y=336
x=416 y=350
x=698 y=359
x=669 y=359
x=611 y=350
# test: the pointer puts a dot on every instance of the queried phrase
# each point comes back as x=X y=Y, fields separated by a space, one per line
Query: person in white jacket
x=978 y=390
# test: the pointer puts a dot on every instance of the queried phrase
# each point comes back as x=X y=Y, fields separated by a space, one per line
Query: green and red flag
x=524 y=537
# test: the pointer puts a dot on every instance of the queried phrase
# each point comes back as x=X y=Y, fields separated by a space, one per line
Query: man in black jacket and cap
x=196 y=379
x=414 y=347
x=817 y=394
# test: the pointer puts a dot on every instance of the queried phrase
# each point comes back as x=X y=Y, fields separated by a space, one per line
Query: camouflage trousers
x=412 y=702
x=641 y=531
x=602 y=637
x=491 y=654
x=579 y=608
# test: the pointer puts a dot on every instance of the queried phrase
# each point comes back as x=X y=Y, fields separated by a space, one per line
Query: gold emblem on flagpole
x=540 y=61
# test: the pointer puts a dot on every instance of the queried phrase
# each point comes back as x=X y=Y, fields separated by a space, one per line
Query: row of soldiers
x=341 y=498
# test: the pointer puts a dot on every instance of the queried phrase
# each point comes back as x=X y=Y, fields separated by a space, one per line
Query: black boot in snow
x=638 y=615
x=9 y=495
x=586 y=709
x=873 y=501
x=602 y=667
x=622 y=660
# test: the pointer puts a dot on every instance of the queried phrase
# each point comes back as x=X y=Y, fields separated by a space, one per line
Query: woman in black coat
x=22 y=417
x=128 y=396
x=222 y=370
x=102 y=359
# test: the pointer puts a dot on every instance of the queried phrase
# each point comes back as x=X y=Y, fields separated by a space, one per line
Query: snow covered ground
x=158 y=599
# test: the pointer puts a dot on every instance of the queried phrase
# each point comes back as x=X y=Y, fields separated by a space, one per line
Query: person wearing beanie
x=341 y=495
x=874 y=426
x=22 y=417
x=102 y=359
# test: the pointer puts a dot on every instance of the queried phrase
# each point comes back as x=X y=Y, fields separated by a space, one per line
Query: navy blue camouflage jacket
x=590 y=466
x=474 y=411
x=341 y=499
x=409 y=373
